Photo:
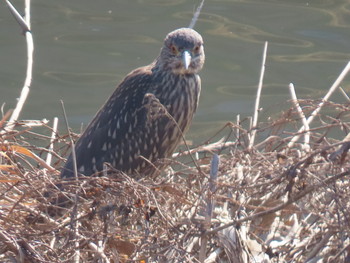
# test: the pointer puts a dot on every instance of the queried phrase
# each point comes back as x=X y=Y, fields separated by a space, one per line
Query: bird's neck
x=161 y=69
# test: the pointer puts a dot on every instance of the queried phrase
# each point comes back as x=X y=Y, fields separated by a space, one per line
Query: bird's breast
x=180 y=97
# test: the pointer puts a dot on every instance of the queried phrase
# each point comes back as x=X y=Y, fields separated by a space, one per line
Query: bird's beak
x=186 y=59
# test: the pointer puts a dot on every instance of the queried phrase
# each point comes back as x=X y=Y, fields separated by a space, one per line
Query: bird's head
x=183 y=52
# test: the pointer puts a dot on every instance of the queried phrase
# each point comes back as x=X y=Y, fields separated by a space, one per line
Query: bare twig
x=319 y=106
x=320 y=245
x=25 y=25
x=344 y=147
x=213 y=147
x=74 y=222
x=92 y=245
x=302 y=116
x=257 y=99
x=210 y=205
x=344 y=94
x=74 y=157
x=238 y=121
x=53 y=137
x=291 y=200
x=151 y=97
x=4 y=118
x=252 y=191
x=196 y=15
x=43 y=163
x=12 y=244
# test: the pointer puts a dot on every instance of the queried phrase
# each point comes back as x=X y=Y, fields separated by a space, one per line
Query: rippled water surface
x=84 y=48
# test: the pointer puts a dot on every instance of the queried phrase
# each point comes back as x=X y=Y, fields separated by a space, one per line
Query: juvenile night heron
x=136 y=126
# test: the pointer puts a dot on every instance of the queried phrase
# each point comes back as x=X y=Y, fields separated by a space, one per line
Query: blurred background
x=83 y=49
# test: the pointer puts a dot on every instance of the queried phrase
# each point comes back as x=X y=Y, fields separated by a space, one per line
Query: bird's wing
x=121 y=113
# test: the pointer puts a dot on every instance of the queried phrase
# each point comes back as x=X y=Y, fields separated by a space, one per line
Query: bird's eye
x=173 y=49
x=196 y=49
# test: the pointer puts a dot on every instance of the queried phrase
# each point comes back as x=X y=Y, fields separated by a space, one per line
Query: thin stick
x=27 y=13
x=215 y=146
x=25 y=25
x=250 y=120
x=53 y=137
x=210 y=205
x=325 y=99
x=320 y=245
x=344 y=94
x=74 y=222
x=196 y=15
x=257 y=100
x=4 y=118
x=74 y=157
x=53 y=222
x=301 y=114
x=238 y=122
x=12 y=244
x=30 y=45
x=291 y=200
x=42 y=162
x=152 y=97
x=76 y=242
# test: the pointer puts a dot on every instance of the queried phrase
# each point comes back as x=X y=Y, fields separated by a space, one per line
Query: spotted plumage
x=136 y=125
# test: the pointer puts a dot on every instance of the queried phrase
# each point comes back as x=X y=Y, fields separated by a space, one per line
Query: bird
x=144 y=119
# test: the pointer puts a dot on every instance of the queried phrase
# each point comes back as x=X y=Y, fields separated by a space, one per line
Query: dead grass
x=268 y=204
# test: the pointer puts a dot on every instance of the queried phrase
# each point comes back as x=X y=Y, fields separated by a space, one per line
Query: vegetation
x=282 y=198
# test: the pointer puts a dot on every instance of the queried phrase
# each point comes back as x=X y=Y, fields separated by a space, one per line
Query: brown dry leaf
x=139 y=203
x=264 y=222
x=290 y=210
x=93 y=192
x=6 y=116
x=171 y=190
x=281 y=158
x=7 y=167
x=122 y=246
x=204 y=161
x=21 y=150
x=179 y=195
x=8 y=180
x=25 y=151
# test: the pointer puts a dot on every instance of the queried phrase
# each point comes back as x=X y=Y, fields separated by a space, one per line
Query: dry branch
x=25 y=25
x=323 y=101
x=259 y=196
x=257 y=98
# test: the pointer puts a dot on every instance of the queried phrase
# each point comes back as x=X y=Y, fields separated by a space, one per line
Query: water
x=84 y=48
